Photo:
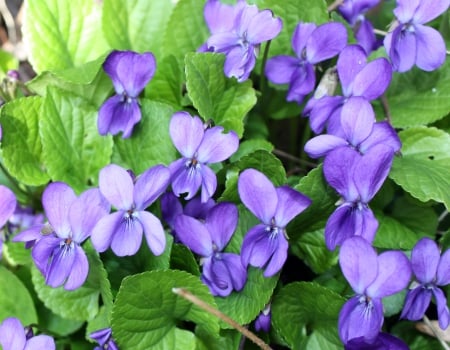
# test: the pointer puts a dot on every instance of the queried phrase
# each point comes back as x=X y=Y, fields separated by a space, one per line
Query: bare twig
x=288 y=156
x=386 y=110
x=436 y=334
x=205 y=306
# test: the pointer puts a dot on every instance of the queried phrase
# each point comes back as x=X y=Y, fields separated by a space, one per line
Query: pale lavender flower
x=221 y=272
x=411 y=42
x=353 y=12
x=104 y=338
x=130 y=72
x=357 y=179
x=431 y=270
x=122 y=230
x=58 y=254
x=372 y=278
x=8 y=204
x=238 y=33
x=359 y=79
x=265 y=245
x=13 y=336
x=199 y=147
x=358 y=130
x=312 y=44
x=28 y=224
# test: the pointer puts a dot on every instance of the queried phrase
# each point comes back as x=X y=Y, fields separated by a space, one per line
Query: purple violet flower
x=129 y=72
x=198 y=147
x=359 y=78
x=238 y=33
x=358 y=131
x=58 y=255
x=353 y=12
x=431 y=270
x=383 y=341
x=372 y=278
x=312 y=44
x=104 y=338
x=222 y=272
x=8 y=204
x=411 y=42
x=122 y=230
x=357 y=179
x=263 y=321
x=13 y=336
x=265 y=245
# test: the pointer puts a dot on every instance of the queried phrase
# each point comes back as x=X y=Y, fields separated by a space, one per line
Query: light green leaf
x=60 y=34
x=166 y=86
x=292 y=12
x=146 y=310
x=245 y=305
x=22 y=148
x=74 y=151
x=7 y=62
x=137 y=25
x=419 y=98
x=249 y=146
x=16 y=254
x=15 y=300
x=151 y=143
x=392 y=234
x=260 y=160
x=81 y=304
x=306 y=304
x=186 y=30
x=223 y=100
x=318 y=342
x=424 y=167
x=310 y=247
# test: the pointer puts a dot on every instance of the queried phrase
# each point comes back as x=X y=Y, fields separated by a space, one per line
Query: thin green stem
x=262 y=77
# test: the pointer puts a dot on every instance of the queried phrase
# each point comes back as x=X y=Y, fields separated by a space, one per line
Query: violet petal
x=279 y=256
x=209 y=183
x=300 y=37
x=258 y=194
x=443 y=269
x=382 y=133
x=194 y=235
x=431 y=51
x=40 y=342
x=372 y=81
x=322 y=46
x=416 y=303
x=127 y=237
x=358 y=261
x=79 y=271
x=60 y=265
x=43 y=250
x=57 y=199
x=425 y=258
x=290 y=204
x=279 y=69
x=357 y=119
x=351 y=61
x=394 y=273
x=321 y=145
x=153 y=231
x=221 y=223
x=150 y=185
x=186 y=133
x=427 y=10
x=263 y=26
x=117 y=186
x=7 y=204
x=102 y=233
x=12 y=335
x=442 y=308
x=255 y=234
x=217 y=146
x=237 y=271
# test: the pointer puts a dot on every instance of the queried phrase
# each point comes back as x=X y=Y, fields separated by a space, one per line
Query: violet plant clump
x=286 y=161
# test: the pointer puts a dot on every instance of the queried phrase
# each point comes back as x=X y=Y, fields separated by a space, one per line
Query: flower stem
x=430 y=325
x=335 y=5
x=380 y=32
x=386 y=110
x=208 y=308
x=262 y=77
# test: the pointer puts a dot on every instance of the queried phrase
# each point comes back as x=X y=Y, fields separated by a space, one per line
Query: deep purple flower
x=58 y=254
x=265 y=245
x=238 y=33
x=359 y=78
x=13 y=336
x=198 y=147
x=312 y=44
x=104 y=338
x=357 y=179
x=372 y=278
x=383 y=341
x=122 y=230
x=129 y=72
x=358 y=130
x=8 y=204
x=353 y=12
x=222 y=272
x=263 y=321
x=431 y=270
x=411 y=42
